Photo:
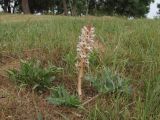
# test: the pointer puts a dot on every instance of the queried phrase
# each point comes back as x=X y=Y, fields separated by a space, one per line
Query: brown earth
x=21 y=104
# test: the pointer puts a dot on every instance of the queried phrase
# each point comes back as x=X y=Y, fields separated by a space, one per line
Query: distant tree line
x=131 y=8
x=158 y=6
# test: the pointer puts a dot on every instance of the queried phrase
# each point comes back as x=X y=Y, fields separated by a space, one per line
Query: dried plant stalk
x=84 y=48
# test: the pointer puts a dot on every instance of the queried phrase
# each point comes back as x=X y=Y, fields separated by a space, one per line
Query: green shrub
x=108 y=82
x=60 y=96
x=33 y=74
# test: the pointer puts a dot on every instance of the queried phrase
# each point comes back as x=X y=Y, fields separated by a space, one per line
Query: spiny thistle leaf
x=60 y=96
x=34 y=75
x=109 y=82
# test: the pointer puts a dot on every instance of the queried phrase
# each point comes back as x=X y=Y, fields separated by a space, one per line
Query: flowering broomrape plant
x=84 y=48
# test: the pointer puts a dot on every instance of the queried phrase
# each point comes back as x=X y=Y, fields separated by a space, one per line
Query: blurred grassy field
x=130 y=48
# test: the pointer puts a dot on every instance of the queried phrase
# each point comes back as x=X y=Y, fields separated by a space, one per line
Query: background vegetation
x=131 y=8
x=129 y=48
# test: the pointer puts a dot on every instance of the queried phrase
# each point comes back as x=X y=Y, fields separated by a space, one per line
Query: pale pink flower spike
x=84 y=48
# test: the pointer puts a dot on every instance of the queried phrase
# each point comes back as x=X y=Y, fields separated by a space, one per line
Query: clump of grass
x=109 y=82
x=33 y=74
x=60 y=96
x=152 y=99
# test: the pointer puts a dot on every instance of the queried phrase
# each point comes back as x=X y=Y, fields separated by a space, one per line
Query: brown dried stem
x=80 y=77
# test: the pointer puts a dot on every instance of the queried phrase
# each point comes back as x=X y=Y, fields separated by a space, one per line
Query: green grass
x=131 y=50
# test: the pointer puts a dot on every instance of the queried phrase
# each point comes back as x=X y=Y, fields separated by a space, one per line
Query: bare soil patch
x=22 y=104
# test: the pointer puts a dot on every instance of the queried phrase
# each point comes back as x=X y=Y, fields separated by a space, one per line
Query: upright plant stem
x=80 y=77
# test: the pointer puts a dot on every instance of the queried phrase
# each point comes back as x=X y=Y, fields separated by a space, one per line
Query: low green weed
x=60 y=96
x=33 y=74
x=108 y=82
